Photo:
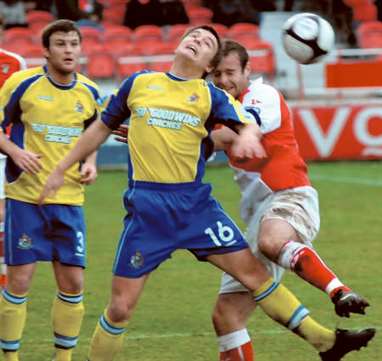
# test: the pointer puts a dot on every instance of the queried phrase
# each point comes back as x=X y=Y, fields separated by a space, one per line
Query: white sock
x=233 y=340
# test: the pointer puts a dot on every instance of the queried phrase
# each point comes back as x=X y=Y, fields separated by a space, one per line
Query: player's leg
x=282 y=306
x=13 y=309
x=229 y=318
x=66 y=231
x=287 y=227
x=67 y=309
x=22 y=242
x=108 y=336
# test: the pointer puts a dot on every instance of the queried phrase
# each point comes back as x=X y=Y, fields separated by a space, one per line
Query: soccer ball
x=307 y=38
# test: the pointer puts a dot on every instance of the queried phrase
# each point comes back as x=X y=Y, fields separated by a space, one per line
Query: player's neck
x=59 y=77
x=186 y=70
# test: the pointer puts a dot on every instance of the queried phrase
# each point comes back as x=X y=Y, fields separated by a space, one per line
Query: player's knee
x=119 y=310
x=19 y=283
x=269 y=247
x=74 y=285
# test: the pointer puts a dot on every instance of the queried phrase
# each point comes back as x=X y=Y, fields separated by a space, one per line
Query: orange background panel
x=354 y=74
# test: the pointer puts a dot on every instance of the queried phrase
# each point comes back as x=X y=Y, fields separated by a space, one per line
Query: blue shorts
x=44 y=233
x=164 y=218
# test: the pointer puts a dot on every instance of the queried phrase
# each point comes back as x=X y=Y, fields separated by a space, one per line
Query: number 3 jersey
x=47 y=119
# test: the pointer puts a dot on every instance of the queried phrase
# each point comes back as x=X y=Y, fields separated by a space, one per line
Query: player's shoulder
x=20 y=76
x=85 y=80
x=258 y=87
x=216 y=91
x=128 y=82
x=262 y=93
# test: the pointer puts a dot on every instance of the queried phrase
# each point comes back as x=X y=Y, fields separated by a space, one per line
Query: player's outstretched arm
x=248 y=143
x=90 y=140
x=223 y=138
x=27 y=161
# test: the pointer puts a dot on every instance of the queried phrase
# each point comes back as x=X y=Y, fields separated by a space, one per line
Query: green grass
x=172 y=321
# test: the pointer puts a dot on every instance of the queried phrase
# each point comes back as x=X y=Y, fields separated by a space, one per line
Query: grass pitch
x=172 y=321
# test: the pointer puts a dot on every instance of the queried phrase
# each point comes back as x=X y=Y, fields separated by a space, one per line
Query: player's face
x=230 y=76
x=200 y=46
x=64 y=51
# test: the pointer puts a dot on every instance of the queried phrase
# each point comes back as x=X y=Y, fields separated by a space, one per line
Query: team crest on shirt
x=193 y=98
x=137 y=260
x=141 y=111
x=79 y=107
x=5 y=68
x=25 y=242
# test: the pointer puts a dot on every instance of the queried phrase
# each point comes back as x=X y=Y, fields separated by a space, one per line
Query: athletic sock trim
x=109 y=328
x=267 y=292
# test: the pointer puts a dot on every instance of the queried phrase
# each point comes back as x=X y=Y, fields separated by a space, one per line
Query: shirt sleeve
x=226 y=110
x=117 y=111
x=10 y=94
x=265 y=101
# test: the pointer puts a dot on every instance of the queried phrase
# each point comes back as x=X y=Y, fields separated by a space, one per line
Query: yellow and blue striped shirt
x=170 y=122
x=46 y=118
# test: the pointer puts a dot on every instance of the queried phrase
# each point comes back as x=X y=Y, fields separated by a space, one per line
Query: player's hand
x=29 y=162
x=52 y=185
x=88 y=173
x=248 y=146
x=121 y=133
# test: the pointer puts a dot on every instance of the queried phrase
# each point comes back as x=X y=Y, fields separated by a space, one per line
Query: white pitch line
x=348 y=180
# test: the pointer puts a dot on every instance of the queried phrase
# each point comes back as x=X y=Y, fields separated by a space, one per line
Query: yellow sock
x=107 y=339
x=13 y=311
x=11 y=356
x=283 y=306
x=67 y=314
x=321 y=338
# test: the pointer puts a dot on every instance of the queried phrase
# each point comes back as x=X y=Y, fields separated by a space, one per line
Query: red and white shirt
x=9 y=64
x=284 y=167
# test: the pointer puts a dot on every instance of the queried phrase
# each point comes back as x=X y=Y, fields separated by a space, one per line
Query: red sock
x=241 y=353
x=309 y=266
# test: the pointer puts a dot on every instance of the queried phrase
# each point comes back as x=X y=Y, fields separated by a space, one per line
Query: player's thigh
x=243 y=266
x=67 y=233
x=70 y=279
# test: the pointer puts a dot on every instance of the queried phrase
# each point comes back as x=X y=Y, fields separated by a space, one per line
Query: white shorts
x=2 y=175
x=299 y=207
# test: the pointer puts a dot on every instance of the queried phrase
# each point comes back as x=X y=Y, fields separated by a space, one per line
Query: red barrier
x=339 y=132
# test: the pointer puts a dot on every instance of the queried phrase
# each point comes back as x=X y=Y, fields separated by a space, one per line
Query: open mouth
x=193 y=49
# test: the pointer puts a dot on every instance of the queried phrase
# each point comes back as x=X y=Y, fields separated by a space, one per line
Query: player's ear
x=45 y=52
x=247 y=69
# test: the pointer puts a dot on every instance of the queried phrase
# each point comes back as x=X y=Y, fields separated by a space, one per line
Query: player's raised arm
x=91 y=139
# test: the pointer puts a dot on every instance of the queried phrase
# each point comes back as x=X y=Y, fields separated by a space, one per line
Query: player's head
x=61 y=41
x=200 y=45
x=233 y=69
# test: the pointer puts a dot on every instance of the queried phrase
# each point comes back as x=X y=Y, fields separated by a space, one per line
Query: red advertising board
x=339 y=131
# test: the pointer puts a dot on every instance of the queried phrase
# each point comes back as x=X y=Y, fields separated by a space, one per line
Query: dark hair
x=63 y=25
x=209 y=28
x=230 y=46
